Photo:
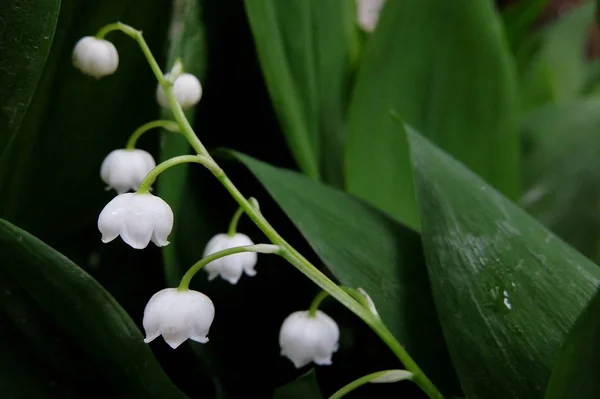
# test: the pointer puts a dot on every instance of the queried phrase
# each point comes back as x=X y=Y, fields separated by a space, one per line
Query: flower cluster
x=139 y=218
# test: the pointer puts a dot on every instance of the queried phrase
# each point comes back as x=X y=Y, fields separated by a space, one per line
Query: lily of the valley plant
x=139 y=217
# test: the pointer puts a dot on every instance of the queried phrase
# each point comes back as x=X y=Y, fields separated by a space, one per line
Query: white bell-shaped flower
x=186 y=89
x=95 y=57
x=368 y=13
x=230 y=267
x=138 y=219
x=304 y=338
x=124 y=170
x=177 y=316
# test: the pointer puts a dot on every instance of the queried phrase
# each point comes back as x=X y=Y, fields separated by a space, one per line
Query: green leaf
x=27 y=32
x=305 y=48
x=94 y=319
x=415 y=64
x=563 y=171
x=364 y=248
x=303 y=387
x=506 y=289
x=557 y=72
x=576 y=372
x=187 y=43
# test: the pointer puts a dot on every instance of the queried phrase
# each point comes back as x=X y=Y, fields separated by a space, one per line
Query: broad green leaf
x=27 y=29
x=304 y=387
x=94 y=319
x=415 y=65
x=562 y=171
x=305 y=48
x=187 y=43
x=74 y=121
x=557 y=72
x=364 y=248
x=506 y=289
x=576 y=372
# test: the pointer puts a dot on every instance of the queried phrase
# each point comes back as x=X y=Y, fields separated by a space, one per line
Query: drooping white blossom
x=95 y=57
x=123 y=170
x=304 y=338
x=178 y=316
x=186 y=89
x=230 y=267
x=138 y=219
x=368 y=13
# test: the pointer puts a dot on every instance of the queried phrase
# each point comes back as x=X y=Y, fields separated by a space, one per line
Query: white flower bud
x=95 y=57
x=138 y=219
x=370 y=304
x=177 y=316
x=368 y=13
x=186 y=89
x=230 y=267
x=303 y=338
x=389 y=376
x=124 y=170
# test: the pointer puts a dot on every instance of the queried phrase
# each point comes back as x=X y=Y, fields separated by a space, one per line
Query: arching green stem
x=286 y=250
x=260 y=248
x=169 y=125
x=153 y=174
x=234 y=222
x=400 y=375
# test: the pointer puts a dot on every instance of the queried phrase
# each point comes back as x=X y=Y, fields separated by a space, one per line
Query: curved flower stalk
x=279 y=244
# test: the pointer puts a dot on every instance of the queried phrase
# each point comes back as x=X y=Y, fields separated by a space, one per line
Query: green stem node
x=168 y=125
x=158 y=169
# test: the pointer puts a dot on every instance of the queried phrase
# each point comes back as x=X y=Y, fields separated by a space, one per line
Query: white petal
x=293 y=341
x=95 y=57
x=215 y=244
x=187 y=90
x=114 y=172
x=368 y=13
x=249 y=270
x=231 y=268
x=213 y=268
x=111 y=219
x=313 y=338
x=140 y=164
x=162 y=216
x=201 y=313
x=188 y=314
x=153 y=312
x=247 y=259
x=137 y=229
x=138 y=225
x=124 y=170
x=174 y=338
